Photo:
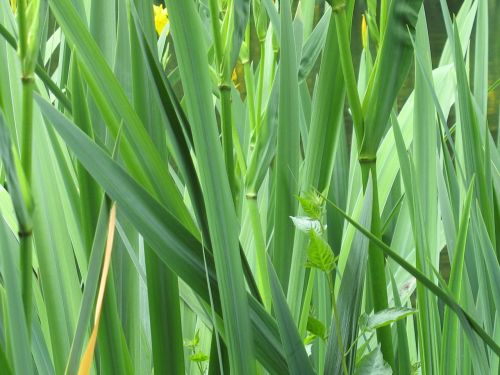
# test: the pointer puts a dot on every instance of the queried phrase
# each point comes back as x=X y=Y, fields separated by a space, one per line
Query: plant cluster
x=217 y=186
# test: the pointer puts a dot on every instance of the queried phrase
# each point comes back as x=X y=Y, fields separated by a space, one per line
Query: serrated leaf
x=319 y=253
x=312 y=204
x=373 y=363
x=385 y=317
x=306 y=224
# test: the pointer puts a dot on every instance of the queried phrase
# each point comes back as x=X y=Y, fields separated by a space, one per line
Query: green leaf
x=241 y=17
x=316 y=327
x=385 y=317
x=350 y=296
x=319 y=253
x=317 y=168
x=19 y=190
x=89 y=292
x=194 y=342
x=199 y=357
x=314 y=45
x=373 y=363
x=295 y=352
x=312 y=204
x=449 y=344
x=18 y=341
x=288 y=142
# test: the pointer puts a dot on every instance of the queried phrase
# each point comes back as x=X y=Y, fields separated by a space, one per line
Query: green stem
x=260 y=249
x=27 y=125
x=307 y=303
x=348 y=70
x=225 y=94
x=25 y=229
x=376 y=265
x=23 y=32
x=26 y=159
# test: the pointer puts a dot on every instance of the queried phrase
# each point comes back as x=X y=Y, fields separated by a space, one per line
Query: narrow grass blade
x=449 y=344
x=91 y=283
x=296 y=355
x=349 y=299
x=86 y=362
x=288 y=142
x=241 y=18
x=18 y=337
x=314 y=45
x=89 y=190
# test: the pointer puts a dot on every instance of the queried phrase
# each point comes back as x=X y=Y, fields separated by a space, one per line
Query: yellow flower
x=364 y=32
x=235 y=79
x=161 y=17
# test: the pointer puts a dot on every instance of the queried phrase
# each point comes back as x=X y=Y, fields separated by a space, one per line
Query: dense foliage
x=224 y=186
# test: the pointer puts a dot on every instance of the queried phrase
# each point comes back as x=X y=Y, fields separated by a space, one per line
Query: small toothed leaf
x=373 y=363
x=312 y=204
x=384 y=317
x=319 y=253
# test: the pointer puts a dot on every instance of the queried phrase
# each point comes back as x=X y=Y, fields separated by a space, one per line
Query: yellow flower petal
x=364 y=32
x=234 y=78
x=161 y=17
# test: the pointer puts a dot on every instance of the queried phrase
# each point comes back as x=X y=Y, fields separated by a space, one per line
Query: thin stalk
x=23 y=32
x=376 y=265
x=25 y=229
x=27 y=124
x=348 y=70
x=225 y=94
x=260 y=249
x=307 y=302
